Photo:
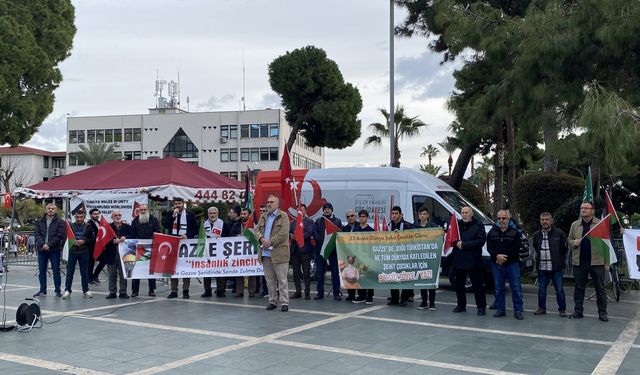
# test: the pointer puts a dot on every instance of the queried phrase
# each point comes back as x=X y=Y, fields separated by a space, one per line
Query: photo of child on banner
x=390 y=260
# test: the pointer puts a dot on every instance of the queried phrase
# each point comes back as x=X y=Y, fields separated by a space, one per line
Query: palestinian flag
x=71 y=240
x=600 y=237
x=248 y=192
x=329 y=243
x=609 y=209
x=202 y=241
x=251 y=237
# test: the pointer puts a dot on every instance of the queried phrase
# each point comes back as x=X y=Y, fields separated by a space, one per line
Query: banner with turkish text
x=222 y=257
x=107 y=203
x=390 y=260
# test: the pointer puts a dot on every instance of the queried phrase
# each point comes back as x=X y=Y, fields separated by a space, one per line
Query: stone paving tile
x=631 y=363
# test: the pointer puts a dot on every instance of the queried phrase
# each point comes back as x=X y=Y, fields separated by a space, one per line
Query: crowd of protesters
x=277 y=251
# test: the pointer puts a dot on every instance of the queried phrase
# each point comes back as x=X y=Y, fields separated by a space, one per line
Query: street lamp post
x=392 y=139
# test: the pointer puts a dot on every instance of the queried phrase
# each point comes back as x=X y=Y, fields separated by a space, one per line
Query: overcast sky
x=119 y=46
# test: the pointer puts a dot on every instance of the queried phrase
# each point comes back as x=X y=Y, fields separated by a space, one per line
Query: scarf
x=182 y=218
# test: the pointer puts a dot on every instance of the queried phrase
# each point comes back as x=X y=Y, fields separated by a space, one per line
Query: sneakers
x=66 y=295
x=172 y=295
x=423 y=306
x=603 y=316
x=123 y=295
x=58 y=294
x=87 y=294
x=134 y=294
x=518 y=315
x=369 y=302
x=359 y=300
x=432 y=308
x=40 y=294
x=110 y=296
x=481 y=312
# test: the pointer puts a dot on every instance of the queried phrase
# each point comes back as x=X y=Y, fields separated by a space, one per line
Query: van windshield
x=457 y=201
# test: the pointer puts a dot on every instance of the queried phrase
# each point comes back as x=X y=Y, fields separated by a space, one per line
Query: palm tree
x=97 y=153
x=484 y=177
x=450 y=148
x=430 y=152
x=403 y=127
x=430 y=169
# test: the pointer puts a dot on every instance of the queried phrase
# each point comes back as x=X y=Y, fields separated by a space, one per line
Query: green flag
x=588 y=189
x=249 y=235
x=202 y=241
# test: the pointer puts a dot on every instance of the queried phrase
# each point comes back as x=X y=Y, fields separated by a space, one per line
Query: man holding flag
x=179 y=222
x=587 y=260
x=78 y=253
x=324 y=227
x=300 y=233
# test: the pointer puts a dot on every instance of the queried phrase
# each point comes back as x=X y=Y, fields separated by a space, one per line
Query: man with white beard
x=142 y=228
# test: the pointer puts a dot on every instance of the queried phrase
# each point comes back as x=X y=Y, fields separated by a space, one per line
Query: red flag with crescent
x=164 y=254
x=104 y=235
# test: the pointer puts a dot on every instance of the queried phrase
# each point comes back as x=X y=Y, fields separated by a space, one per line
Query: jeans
x=543 y=281
x=511 y=273
x=54 y=258
x=581 y=275
x=82 y=258
x=320 y=270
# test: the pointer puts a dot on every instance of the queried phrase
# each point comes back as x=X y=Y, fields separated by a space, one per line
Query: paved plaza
x=237 y=336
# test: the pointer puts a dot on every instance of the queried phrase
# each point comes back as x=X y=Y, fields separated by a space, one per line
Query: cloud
x=270 y=100
x=425 y=77
x=52 y=134
x=215 y=103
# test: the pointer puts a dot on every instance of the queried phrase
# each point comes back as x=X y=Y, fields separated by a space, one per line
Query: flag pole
x=295 y=193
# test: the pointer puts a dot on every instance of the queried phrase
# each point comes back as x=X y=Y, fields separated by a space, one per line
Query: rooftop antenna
x=178 y=89
x=244 y=88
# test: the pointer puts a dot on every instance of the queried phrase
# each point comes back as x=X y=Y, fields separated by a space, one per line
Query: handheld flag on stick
x=329 y=243
x=104 y=235
x=164 y=254
x=202 y=241
x=587 y=196
x=609 y=209
x=600 y=237
x=71 y=240
x=376 y=222
x=298 y=233
x=287 y=183
x=452 y=236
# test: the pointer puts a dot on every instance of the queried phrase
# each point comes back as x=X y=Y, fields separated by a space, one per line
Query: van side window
x=439 y=214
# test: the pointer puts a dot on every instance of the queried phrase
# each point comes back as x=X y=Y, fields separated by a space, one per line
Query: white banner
x=632 y=250
x=224 y=257
x=107 y=203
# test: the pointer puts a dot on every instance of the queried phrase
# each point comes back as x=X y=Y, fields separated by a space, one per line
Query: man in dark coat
x=318 y=235
x=301 y=256
x=143 y=227
x=467 y=261
x=111 y=256
x=180 y=222
x=50 y=234
x=399 y=223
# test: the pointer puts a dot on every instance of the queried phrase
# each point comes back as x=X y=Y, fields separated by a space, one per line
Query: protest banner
x=223 y=257
x=107 y=203
x=390 y=260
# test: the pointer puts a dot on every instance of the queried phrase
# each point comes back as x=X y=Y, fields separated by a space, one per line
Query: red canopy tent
x=161 y=178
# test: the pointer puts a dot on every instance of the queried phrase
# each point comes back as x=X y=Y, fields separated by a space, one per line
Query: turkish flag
x=298 y=233
x=104 y=235
x=7 y=200
x=287 y=184
x=136 y=210
x=452 y=236
x=164 y=254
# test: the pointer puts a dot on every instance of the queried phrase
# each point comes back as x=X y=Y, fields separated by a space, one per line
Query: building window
x=264 y=154
x=117 y=135
x=91 y=136
x=228 y=154
x=100 y=136
x=273 y=153
x=74 y=160
x=108 y=135
x=274 y=131
x=229 y=131
x=233 y=175
x=45 y=162
x=180 y=146
x=264 y=130
x=132 y=155
x=254 y=131
x=244 y=131
x=58 y=162
x=137 y=135
x=118 y=155
x=128 y=135
x=244 y=154
x=73 y=138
